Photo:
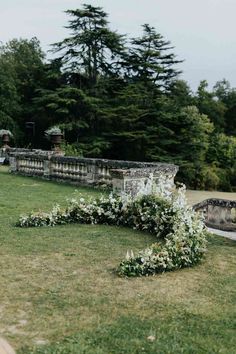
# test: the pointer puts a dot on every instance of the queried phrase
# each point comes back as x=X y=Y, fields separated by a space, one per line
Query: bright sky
x=202 y=31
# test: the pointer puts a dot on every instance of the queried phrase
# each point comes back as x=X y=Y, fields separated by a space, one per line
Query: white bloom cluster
x=164 y=214
x=185 y=241
x=55 y=217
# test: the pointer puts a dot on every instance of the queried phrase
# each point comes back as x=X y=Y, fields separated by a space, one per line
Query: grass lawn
x=59 y=292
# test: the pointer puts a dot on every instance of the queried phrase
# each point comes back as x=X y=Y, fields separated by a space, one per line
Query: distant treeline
x=119 y=97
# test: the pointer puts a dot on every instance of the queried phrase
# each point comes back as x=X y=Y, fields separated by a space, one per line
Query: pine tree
x=150 y=59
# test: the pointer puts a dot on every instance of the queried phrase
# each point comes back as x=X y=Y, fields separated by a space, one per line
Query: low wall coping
x=225 y=203
x=114 y=164
x=143 y=171
x=124 y=167
x=131 y=177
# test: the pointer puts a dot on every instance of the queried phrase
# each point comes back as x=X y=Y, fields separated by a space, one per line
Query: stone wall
x=10 y=151
x=218 y=213
x=4 y=156
x=130 y=177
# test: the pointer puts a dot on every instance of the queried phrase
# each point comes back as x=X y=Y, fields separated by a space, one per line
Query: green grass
x=59 y=292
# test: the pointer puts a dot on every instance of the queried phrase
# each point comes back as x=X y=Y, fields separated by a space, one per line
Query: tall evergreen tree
x=92 y=48
x=227 y=96
x=181 y=93
x=150 y=59
x=209 y=105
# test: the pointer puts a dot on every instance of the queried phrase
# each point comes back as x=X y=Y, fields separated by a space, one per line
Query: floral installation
x=5 y=132
x=55 y=130
x=180 y=231
x=185 y=239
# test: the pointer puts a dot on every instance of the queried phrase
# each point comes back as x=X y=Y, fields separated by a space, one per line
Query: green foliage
x=70 y=149
x=222 y=150
x=208 y=178
x=21 y=74
x=192 y=131
x=118 y=98
x=93 y=146
x=149 y=59
x=92 y=47
x=181 y=94
x=227 y=95
x=207 y=104
x=9 y=99
x=145 y=214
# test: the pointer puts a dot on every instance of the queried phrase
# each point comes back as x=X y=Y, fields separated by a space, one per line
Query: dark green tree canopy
x=119 y=98
x=150 y=59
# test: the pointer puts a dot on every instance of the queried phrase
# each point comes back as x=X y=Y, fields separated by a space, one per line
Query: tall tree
x=150 y=59
x=24 y=63
x=9 y=98
x=209 y=105
x=181 y=93
x=227 y=96
x=92 y=48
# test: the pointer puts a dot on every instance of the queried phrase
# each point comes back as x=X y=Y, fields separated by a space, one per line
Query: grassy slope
x=59 y=292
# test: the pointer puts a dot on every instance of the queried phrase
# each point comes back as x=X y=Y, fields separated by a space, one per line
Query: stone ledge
x=215 y=202
x=144 y=171
x=217 y=213
x=130 y=177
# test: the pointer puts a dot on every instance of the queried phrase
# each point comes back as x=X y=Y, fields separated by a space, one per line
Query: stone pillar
x=219 y=214
x=47 y=168
x=136 y=182
x=118 y=181
x=13 y=161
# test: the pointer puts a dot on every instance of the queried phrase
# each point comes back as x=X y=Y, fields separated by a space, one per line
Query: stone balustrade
x=218 y=213
x=124 y=176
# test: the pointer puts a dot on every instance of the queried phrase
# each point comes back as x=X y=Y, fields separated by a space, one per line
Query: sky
x=203 y=32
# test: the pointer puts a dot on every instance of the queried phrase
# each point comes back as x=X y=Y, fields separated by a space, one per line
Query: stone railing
x=6 y=153
x=218 y=213
x=124 y=176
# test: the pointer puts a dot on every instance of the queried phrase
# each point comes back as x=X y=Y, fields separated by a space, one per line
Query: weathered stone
x=130 y=177
x=218 y=213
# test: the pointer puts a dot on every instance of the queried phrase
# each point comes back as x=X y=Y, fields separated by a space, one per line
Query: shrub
x=71 y=149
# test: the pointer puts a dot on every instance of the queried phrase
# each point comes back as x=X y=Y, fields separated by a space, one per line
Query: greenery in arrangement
x=5 y=132
x=168 y=217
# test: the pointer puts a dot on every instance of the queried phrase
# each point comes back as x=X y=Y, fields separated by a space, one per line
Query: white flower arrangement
x=55 y=130
x=5 y=132
x=167 y=216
